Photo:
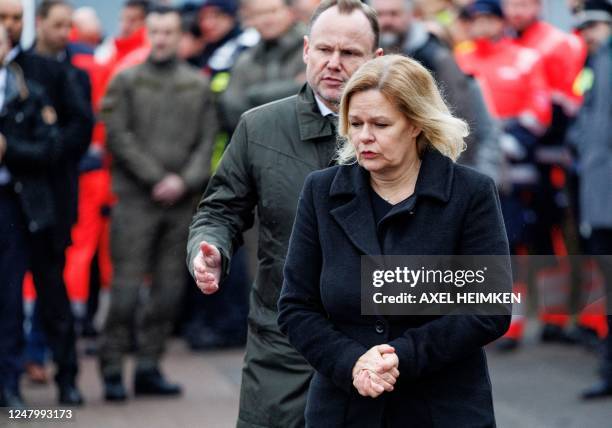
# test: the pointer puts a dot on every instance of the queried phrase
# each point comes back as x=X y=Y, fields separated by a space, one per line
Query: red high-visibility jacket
x=563 y=55
x=512 y=80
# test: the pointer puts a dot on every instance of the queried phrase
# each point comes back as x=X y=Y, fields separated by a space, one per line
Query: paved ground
x=535 y=387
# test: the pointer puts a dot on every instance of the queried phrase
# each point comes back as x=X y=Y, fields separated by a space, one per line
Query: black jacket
x=64 y=87
x=32 y=147
x=444 y=380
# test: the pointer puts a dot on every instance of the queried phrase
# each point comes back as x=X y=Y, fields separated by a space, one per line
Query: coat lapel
x=354 y=211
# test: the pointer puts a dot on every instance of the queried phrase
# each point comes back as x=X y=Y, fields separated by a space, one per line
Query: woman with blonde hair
x=397 y=191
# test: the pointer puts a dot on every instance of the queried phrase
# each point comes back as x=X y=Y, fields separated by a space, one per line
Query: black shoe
x=11 y=398
x=553 y=333
x=70 y=395
x=601 y=389
x=151 y=382
x=506 y=344
x=113 y=389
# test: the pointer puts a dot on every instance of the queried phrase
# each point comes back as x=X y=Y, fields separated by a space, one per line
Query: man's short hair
x=164 y=10
x=347 y=7
x=144 y=5
x=44 y=8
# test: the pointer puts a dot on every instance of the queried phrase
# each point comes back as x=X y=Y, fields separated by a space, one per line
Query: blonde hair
x=413 y=91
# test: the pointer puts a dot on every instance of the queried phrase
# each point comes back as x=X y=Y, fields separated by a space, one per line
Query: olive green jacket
x=264 y=73
x=159 y=120
x=273 y=149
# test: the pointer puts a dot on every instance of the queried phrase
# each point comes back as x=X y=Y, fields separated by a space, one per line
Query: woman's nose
x=366 y=135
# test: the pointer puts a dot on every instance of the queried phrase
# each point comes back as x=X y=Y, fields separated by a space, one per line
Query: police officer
x=75 y=121
x=28 y=149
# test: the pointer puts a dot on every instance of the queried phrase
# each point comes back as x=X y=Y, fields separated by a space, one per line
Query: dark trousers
x=600 y=246
x=47 y=266
x=13 y=263
x=45 y=259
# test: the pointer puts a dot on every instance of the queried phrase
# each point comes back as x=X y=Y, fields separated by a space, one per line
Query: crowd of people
x=107 y=143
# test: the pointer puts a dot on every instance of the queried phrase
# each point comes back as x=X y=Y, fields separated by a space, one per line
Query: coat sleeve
x=121 y=140
x=76 y=118
x=301 y=314
x=450 y=338
x=227 y=206
x=197 y=169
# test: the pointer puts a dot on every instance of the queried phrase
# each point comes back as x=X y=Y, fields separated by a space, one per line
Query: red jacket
x=563 y=54
x=512 y=81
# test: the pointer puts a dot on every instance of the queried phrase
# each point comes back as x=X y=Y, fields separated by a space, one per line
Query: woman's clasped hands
x=376 y=371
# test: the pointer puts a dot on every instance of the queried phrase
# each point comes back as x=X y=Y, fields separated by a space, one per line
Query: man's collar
x=325 y=111
x=312 y=123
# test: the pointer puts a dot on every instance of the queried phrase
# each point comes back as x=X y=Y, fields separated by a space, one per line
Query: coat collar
x=354 y=214
x=311 y=124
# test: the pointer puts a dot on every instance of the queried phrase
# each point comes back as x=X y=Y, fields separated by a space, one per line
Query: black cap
x=485 y=7
x=594 y=11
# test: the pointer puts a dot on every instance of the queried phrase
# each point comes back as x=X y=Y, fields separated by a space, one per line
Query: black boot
x=506 y=344
x=152 y=382
x=114 y=389
x=69 y=395
x=601 y=389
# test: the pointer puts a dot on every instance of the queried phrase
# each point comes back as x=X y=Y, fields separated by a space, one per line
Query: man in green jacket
x=272 y=151
x=160 y=125
x=272 y=69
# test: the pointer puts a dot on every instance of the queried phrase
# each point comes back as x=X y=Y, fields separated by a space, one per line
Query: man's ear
x=379 y=52
x=306 y=49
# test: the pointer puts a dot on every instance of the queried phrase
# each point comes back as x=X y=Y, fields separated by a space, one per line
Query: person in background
x=273 y=149
x=192 y=42
x=563 y=55
x=272 y=69
x=304 y=9
x=590 y=136
x=219 y=321
x=28 y=149
x=132 y=38
x=517 y=94
x=160 y=126
x=88 y=265
x=403 y=32
x=75 y=122
x=53 y=26
x=87 y=27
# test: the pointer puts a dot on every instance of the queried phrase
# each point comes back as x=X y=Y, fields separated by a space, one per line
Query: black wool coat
x=444 y=380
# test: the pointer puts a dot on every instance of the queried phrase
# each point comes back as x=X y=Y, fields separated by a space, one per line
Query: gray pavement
x=536 y=386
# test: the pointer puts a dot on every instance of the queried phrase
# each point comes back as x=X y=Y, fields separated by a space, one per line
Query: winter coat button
x=380 y=327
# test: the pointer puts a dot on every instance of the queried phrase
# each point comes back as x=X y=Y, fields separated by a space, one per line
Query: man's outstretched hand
x=207 y=268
